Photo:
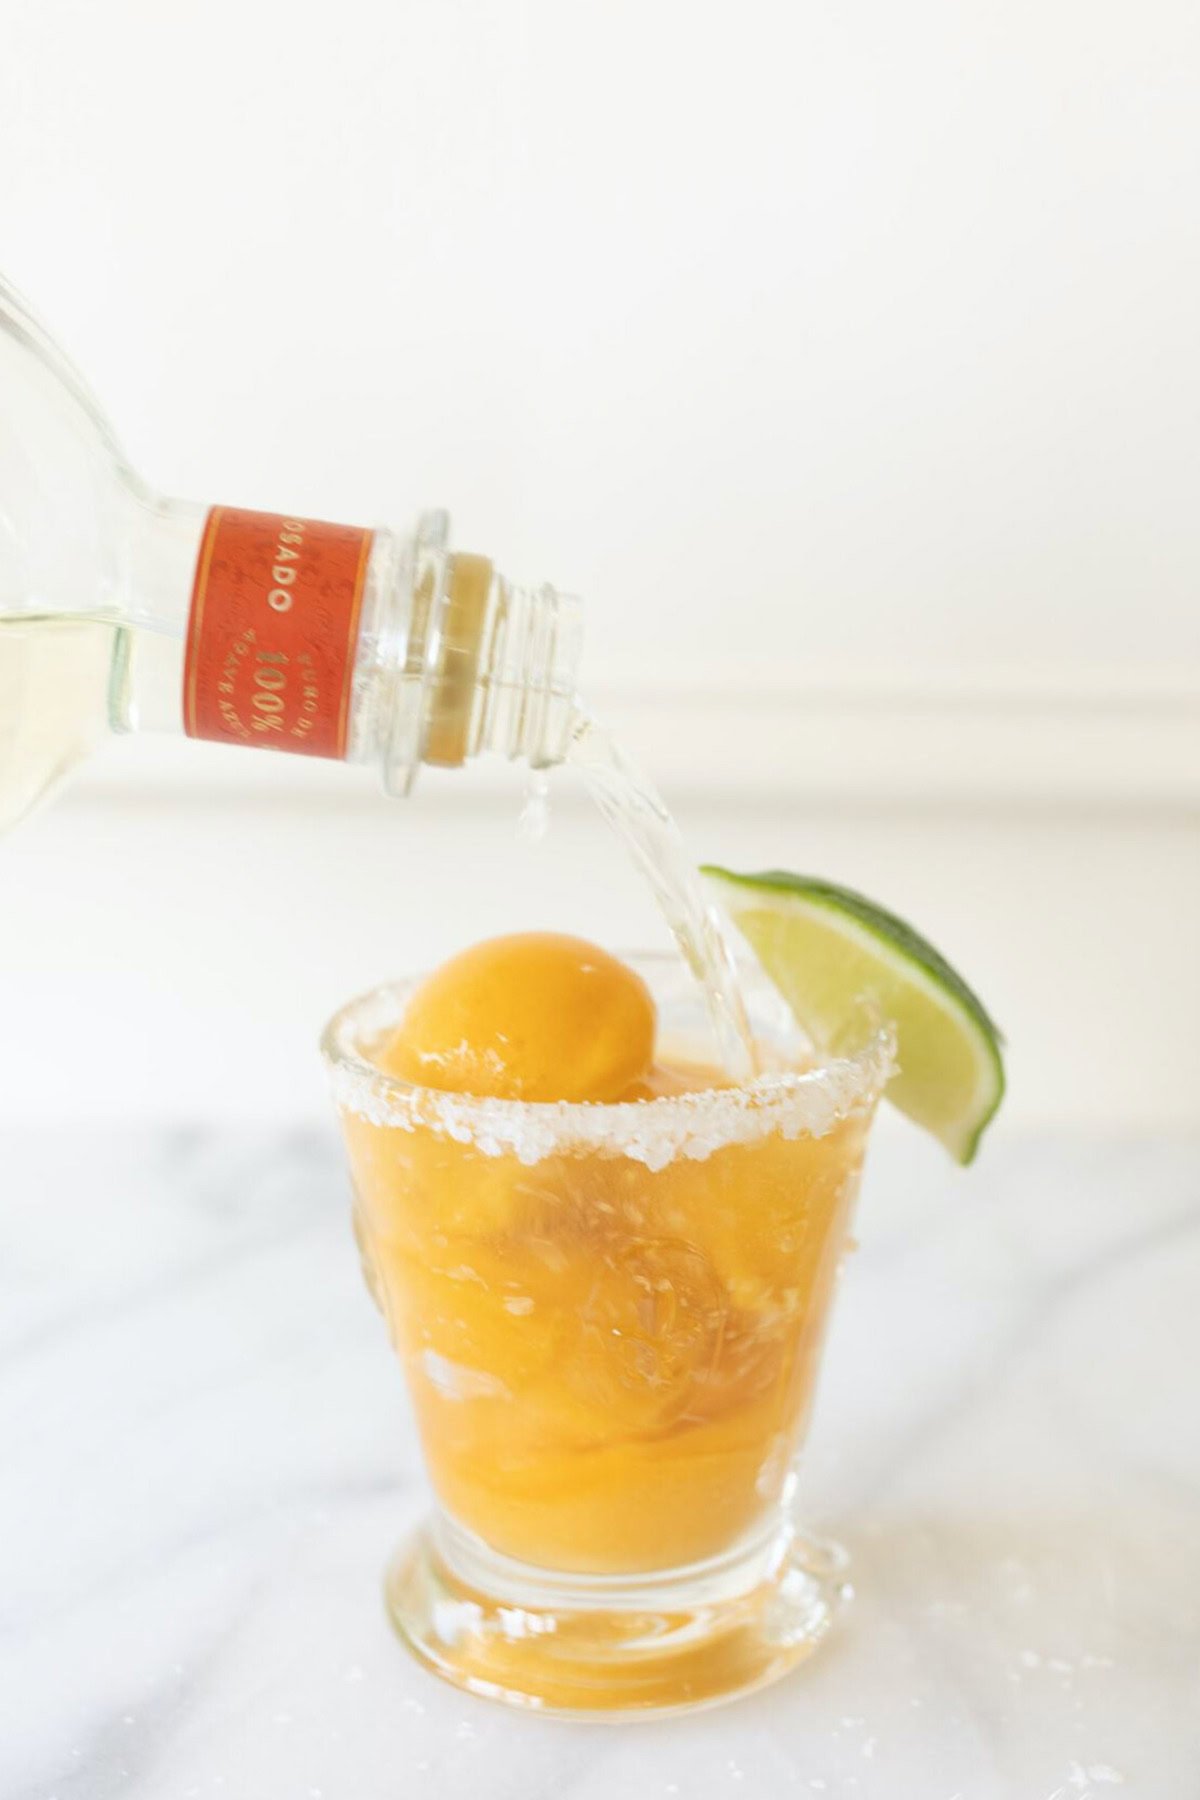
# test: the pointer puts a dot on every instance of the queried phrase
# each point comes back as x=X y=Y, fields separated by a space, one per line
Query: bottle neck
x=367 y=646
x=486 y=666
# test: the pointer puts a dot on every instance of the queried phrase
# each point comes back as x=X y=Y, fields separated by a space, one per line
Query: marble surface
x=206 y=1457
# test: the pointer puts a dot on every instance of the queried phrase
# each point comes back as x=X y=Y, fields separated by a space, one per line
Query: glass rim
x=807 y=1101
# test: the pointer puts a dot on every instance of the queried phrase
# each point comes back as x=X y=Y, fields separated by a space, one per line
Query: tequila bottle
x=123 y=610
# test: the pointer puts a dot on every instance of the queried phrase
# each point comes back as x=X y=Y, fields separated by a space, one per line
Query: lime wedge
x=827 y=949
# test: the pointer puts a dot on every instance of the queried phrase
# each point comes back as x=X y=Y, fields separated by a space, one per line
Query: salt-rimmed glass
x=610 y=1318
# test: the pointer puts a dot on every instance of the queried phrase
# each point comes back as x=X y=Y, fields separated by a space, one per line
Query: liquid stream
x=635 y=810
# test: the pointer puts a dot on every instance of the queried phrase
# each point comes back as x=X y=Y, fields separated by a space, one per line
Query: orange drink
x=609 y=1311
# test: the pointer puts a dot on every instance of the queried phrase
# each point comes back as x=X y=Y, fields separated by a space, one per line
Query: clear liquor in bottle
x=122 y=610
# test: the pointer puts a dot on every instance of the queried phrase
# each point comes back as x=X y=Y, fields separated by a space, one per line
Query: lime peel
x=828 y=949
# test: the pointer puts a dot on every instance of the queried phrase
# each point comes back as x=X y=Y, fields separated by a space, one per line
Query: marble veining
x=206 y=1457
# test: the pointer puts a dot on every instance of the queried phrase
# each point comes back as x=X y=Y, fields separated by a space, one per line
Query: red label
x=273 y=631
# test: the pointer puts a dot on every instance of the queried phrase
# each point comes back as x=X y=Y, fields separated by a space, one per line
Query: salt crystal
x=652 y=1132
x=1104 y=1772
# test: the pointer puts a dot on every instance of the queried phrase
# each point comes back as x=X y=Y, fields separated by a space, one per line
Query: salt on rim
x=654 y=1132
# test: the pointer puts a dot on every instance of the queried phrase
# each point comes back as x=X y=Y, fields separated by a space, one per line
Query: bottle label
x=273 y=631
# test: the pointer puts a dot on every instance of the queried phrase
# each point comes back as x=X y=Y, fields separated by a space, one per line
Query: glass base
x=613 y=1646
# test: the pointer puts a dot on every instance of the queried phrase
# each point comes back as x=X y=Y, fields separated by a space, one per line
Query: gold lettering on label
x=270 y=680
x=231 y=719
x=291 y=531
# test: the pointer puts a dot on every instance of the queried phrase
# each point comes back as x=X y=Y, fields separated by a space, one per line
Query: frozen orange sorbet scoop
x=534 y=1016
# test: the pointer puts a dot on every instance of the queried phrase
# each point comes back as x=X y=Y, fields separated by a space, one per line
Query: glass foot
x=613 y=1645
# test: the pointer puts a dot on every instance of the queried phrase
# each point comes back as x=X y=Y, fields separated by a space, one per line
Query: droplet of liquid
x=534 y=821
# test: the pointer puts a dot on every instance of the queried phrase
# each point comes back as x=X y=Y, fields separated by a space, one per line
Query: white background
x=844 y=357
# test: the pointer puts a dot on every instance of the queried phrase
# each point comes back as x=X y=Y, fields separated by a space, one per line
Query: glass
x=610 y=1318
